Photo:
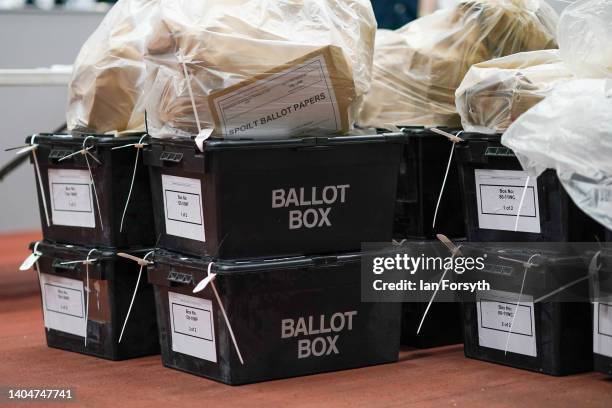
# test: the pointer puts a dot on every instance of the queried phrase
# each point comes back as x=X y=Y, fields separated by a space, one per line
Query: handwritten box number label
x=183 y=206
x=63 y=304
x=498 y=325
x=498 y=197
x=191 y=321
x=71 y=198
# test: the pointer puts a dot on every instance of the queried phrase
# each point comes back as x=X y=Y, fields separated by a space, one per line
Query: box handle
x=58 y=154
x=171 y=157
x=181 y=278
x=60 y=264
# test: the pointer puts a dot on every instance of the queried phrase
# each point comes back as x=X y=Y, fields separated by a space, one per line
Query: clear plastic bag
x=585 y=38
x=109 y=72
x=494 y=93
x=258 y=68
x=571 y=131
x=418 y=67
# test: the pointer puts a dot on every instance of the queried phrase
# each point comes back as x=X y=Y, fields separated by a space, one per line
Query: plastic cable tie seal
x=208 y=279
x=203 y=136
x=518 y=301
x=39 y=178
x=527 y=264
x=81 y=261
x=454 y=249
x=140 y=261
x=87 y=289
x=31 y=259
x=138 y=146
x=26 y=149
x=518 y=212
x=449 y=136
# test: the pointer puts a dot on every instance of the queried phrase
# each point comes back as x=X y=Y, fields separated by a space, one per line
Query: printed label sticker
x=183 y=206
x=602 y=328
x=63 y=304
x=71 y=198
x=496 y=318
x=498 y=195
x=287 y=103
x=191 y=322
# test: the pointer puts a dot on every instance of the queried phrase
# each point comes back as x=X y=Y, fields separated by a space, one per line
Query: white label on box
x=602 y=328
x=191 y=323
x=71 y=198
x=498 y=197
x=288 y=103
x=63 y=304
x=496 y=310
x=183 y=205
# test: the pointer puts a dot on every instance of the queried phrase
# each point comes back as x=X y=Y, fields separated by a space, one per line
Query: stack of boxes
x=258 y=272
x=83 y=184
x=552 y=335
x=423 y=185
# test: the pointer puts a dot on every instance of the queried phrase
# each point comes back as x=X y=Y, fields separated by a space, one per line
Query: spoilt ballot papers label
x=63 y=304
x=499 y=194
x=183 y=205
x=287 y=102
x=503 y=322
x=71 y=198
x=191 y=322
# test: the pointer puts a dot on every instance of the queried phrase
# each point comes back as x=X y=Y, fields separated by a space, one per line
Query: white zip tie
x=454 y=139
x=593 y=270
x=203 y=134
x=518 y=302
x=454 y=252
x=142 y=265
x=594 y=274
x=93 y=184
x=518 y=213
x=561 y=289
x=210 y=277
x=138 y=146
x=193 y=104
x=87 y=263
x=40 y=183
x=35 y=250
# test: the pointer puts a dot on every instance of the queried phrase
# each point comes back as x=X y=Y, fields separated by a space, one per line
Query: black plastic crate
x=72 y=207
x=492 y=182
x=422 y=169
x=442 y=326
x=112 y=281
x=290 y=317
x=551 y=336
x=242 y=199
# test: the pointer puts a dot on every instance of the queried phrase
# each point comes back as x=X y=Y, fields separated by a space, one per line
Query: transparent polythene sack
x=571 y=131
x=258 y=68
x=585 y=38
x=494 y=93
x=109 y=72
x=418 y=67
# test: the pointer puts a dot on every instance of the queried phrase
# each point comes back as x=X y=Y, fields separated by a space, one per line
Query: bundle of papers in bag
x=495 y=93
x=230 y=68
x=418 y=67
x=108 y=75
